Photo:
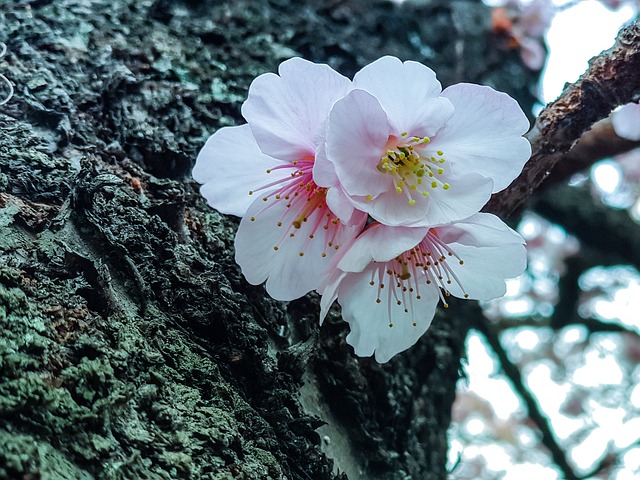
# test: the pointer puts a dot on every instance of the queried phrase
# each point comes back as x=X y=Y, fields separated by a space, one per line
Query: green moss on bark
x=131 y=346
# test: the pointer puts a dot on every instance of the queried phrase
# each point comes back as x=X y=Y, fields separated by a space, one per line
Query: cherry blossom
x=409 y=154
x=390 y=280
x=263 y=172
x=368 y=191
x=523 y=25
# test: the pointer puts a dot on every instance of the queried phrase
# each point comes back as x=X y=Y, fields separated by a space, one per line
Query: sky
x=576 y=35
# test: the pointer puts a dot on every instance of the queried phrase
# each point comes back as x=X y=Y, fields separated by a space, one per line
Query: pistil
x=414 y=170
x=428 y=263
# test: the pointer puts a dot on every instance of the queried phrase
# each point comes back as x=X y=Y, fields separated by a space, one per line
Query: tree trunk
x=130 y=345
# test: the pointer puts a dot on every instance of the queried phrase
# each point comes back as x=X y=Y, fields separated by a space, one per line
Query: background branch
x=600 y=142
x=512 y=371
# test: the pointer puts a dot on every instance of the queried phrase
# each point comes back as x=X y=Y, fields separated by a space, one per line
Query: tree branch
x=512 y=371
x=600 y=142
x=581 y=215
x=611 y=80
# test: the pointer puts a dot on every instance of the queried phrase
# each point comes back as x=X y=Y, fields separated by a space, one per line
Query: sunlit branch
x=610 y=81
x=600 y=142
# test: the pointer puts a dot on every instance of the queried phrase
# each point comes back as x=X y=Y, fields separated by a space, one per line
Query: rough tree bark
x=130 y=345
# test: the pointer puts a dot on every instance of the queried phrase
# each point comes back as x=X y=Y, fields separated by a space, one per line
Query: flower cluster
x=368 y=191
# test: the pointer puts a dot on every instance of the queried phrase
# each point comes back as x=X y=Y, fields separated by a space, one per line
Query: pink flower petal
x=485 y=269
x=391 y=208
x=324 y=173
x=229 y=166
x=370 y=321
x=329 y=292
x=409 y=94
x=269 y=247
x=480 y=230
x=285 y=111
x=491 y=252
x=485 y=134
x=532 y=53
x=626 y=121
x=357 y=133
x=465 y=196
x=379 y=243
x=342 y=207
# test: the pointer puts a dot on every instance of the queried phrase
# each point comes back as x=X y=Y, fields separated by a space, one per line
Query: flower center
x=305 y=207
x=414 y=171
x=404 y=276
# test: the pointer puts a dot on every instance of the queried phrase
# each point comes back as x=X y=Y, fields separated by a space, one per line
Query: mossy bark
x=130 y=345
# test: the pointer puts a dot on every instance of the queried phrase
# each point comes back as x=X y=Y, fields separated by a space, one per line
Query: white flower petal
x=491 y=252
x=342 y=207
x=408 y=92
x=485 y=269
x=392 y=208
x=285 y=111
x=357 y=133
x=324 y=173
x=329 y=292
x=466 y=195
x=230 y=165
x=480 y=230
x=485 y=134
x=380 y=243
x=288 y=274
x=626 y=121
x=369 y=320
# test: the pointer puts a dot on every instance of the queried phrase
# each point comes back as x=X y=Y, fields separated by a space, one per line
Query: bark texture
x=130 y=345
